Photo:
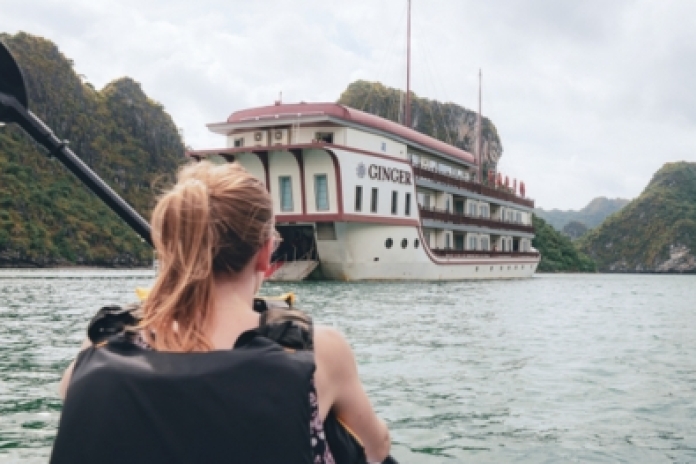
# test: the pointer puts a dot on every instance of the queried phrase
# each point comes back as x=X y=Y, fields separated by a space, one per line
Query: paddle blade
x=11 y=83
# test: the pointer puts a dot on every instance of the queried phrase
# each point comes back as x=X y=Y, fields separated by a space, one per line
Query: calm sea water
x=569 y=368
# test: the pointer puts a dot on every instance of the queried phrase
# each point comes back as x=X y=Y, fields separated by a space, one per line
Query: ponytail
x=211 y=223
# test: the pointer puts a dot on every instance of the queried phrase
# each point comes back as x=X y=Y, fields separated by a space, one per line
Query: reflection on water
x=596 y=368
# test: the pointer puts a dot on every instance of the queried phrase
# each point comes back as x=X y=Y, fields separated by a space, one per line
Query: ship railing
x=451 y=252
x=482 y=189
x=464 y=219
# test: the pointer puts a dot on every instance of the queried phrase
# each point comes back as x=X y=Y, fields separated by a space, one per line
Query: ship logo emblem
x=361 y=170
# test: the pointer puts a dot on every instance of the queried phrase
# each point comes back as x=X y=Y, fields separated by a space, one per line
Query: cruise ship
x=358 y=197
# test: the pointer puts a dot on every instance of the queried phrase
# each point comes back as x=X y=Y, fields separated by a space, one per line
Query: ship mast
x=479 y=145
x=407 y=111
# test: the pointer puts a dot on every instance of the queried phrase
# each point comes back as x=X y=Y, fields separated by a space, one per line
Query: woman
x=196 y=382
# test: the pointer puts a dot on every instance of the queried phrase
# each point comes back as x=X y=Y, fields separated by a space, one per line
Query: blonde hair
x=211 y=223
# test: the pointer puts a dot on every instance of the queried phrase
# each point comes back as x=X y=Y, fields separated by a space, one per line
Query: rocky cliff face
x=656 y=232
x=448 y=122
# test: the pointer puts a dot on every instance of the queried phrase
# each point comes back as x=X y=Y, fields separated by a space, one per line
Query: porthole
x=389 y=243
x=415 y=243
x=404 y=243
x=476 y=268
x=278 y=135
x=257 y=136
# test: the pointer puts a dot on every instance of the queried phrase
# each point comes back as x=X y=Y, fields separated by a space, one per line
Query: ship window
x=447 y=205
x=447 y=241
x=239 y=142
x=358 y=198
x=285 y=193
x=407 y=206
x=384 y=146
x=389 y=243
x=395 y=202
x=404 y=243
x=326 y=137
x=415 y=243
x=484 y=243
x=483 y=210
x=373 y=201
x=473 y=243
x=472 y=209
x=321 y=191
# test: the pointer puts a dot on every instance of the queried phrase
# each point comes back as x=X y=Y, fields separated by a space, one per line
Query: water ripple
x=596 y=368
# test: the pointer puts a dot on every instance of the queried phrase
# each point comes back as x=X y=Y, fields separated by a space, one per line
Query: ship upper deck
x=305 y=113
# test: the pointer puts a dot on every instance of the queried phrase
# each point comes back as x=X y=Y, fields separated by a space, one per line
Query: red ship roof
x=354 y=116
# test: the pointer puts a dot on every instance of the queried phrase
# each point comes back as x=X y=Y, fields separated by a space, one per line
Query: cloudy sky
x=590 y=97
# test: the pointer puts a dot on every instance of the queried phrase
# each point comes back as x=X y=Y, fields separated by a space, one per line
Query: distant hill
x=575 y=230
x=448 y=122
x=558 y=254
x=47 y=217
x=656 y=232
x=591 y=215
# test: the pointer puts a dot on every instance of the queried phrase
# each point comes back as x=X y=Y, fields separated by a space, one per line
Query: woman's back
x=214 y=235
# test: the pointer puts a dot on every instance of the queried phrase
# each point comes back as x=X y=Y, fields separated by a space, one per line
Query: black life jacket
x=289 y=328
x=126 y=404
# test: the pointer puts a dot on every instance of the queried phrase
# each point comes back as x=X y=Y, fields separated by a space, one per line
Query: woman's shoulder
x=332 y=348
x=329 y=335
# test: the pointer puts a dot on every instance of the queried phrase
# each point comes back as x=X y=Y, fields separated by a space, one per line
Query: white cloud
x=590 y=98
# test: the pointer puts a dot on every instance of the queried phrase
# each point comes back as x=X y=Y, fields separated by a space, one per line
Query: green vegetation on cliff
x=656 y=232
x=558 y=254
x=46 y=216
x=448 y=122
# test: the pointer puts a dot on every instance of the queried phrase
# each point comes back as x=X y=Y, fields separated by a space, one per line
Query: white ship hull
x=359 y=253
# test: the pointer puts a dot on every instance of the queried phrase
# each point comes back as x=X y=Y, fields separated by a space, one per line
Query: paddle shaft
x=59 y=149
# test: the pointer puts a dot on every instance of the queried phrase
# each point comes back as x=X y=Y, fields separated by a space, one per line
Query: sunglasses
x=277 y=240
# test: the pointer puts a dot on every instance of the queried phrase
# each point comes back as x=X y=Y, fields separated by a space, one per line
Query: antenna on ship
x=479 y=144
x=407 y=110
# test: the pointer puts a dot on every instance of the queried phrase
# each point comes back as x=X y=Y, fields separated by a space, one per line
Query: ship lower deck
x=358 y=251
